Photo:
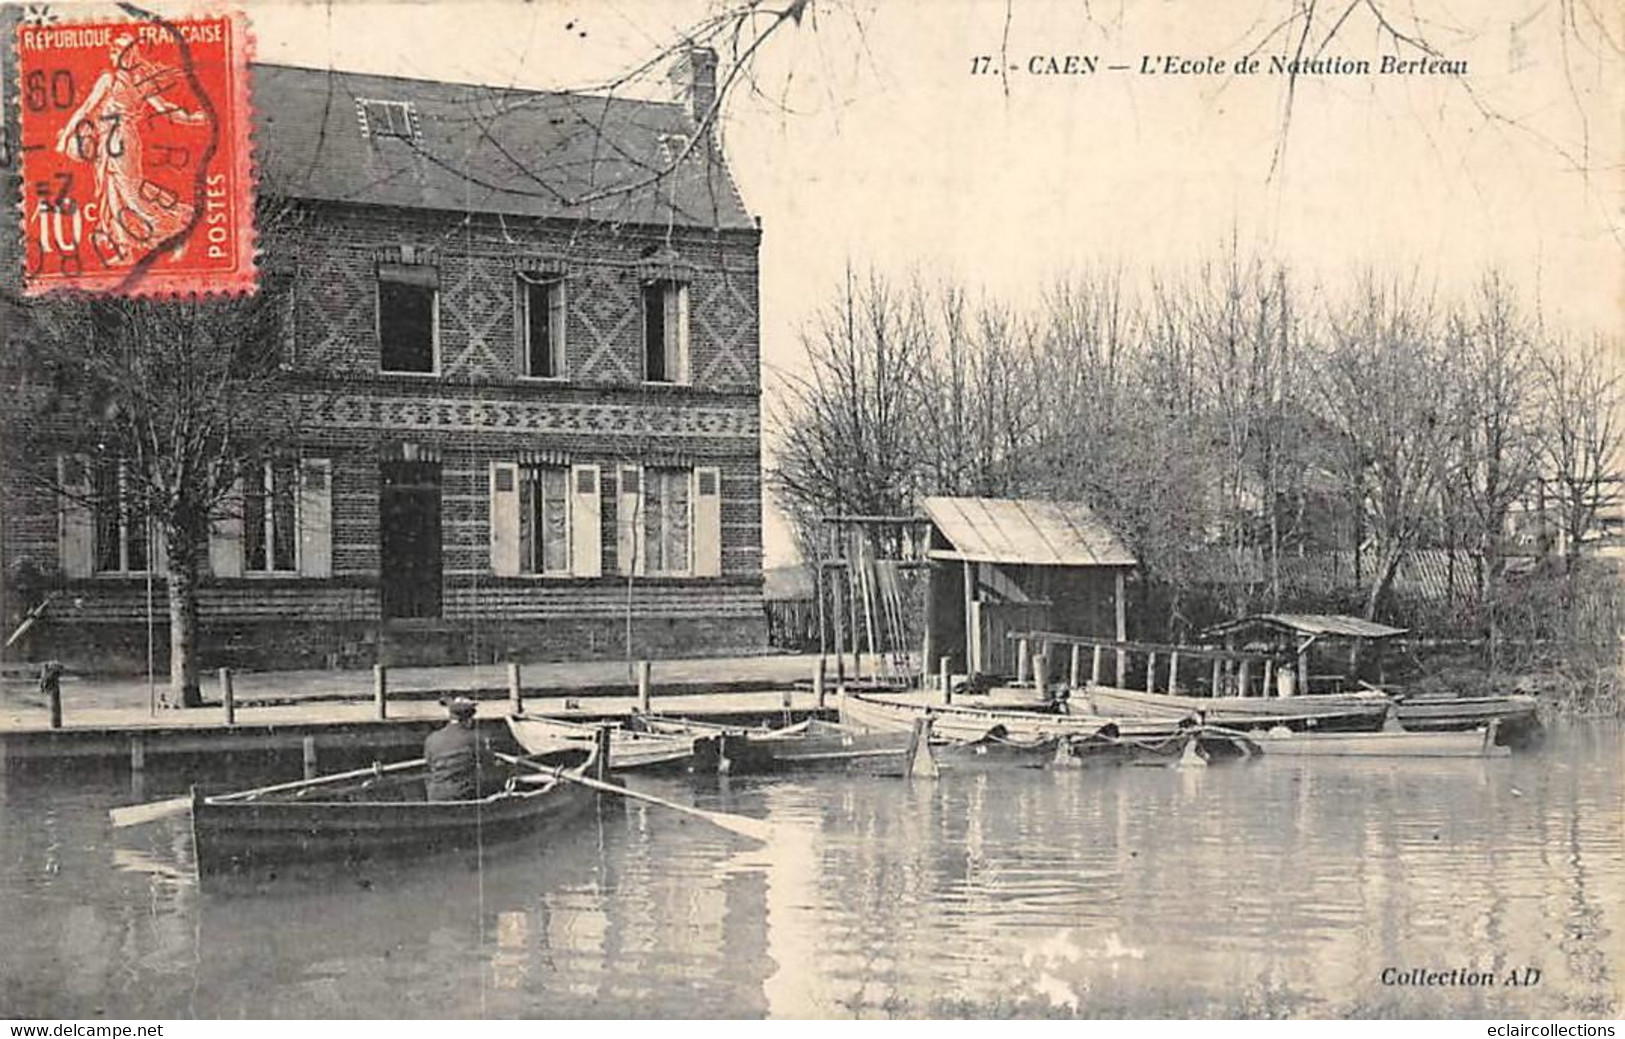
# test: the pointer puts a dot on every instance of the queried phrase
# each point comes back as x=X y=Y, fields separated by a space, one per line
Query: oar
x=755 y=829
x=135 y=815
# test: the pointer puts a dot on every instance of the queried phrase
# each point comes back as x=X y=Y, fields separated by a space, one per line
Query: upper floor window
x=541 y=325
x=122 y=534
x=408 y=317
x=270 y=532
x=665 y=331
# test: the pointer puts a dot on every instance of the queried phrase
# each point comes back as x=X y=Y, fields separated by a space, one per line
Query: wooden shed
x=999 y=565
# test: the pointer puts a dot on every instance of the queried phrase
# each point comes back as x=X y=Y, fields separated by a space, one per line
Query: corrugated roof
x=1333 y=624
x=1025 y=532
x=485 y=149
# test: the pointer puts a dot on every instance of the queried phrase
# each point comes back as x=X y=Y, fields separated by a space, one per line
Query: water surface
x=1281 y=888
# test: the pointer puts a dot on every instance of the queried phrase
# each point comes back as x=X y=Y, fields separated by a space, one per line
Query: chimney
x=695 y=78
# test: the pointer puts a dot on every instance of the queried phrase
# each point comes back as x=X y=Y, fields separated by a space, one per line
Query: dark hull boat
x=372 y=813
x=1518 y=721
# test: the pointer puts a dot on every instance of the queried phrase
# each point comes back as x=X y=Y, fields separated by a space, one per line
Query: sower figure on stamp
x=133 y=215
x=461 y=767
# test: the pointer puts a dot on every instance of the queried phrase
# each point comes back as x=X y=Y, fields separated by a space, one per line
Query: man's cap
x=460 y=705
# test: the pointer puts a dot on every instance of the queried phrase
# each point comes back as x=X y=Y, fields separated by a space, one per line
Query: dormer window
x=387 y=118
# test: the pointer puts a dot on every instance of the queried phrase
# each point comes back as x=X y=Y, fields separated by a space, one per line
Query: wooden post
x=1077 y=667
x=1023 y=660
x=380 y=690
x=818 y=682
x=644 y=669
x=1150 y=672
x=930 y=622
x=978 y=662
x=1094 y=666
x=973 y=622
x=1303 y=673
x=600 y=765
x=1173 y=674
x=945 y=679
x=1269 y=677
x=838 y=620
x=50 y=683
x=1242 y=677
x=921 y=762
x=1041 y=675
x=516 y=691
x=310 y=756
x=1218 y=667
x=227 y=696
x=138 y=753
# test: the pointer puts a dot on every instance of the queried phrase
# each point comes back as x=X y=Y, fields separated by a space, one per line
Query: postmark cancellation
x=137 y=174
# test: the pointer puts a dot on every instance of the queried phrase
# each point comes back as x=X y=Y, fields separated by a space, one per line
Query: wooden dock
x=324 y=727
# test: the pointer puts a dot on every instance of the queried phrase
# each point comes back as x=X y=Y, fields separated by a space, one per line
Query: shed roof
x=1336 y=625
x=486 y=149
x=1025 y=532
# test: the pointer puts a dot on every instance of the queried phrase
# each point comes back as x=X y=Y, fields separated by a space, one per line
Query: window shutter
x=226 y=536
x=76 y=528
x=707 y=522
x=505 y=519
x=586 y=522
x=629 y=521
x=316 y=517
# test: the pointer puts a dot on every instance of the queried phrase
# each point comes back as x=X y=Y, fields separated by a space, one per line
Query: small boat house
x=1002 y=565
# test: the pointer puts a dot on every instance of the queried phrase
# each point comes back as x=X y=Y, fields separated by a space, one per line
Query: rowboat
x=1478 y=743
x=872 y=713
x=548 y=738
x=371 y=813
x=829 y=746
x=1440 y=714
x=1362 y=711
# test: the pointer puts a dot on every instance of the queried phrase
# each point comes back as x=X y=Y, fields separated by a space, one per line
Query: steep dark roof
x=486 y=149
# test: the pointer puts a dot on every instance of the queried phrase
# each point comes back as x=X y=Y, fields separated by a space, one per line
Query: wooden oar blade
x=136 y=815
x=754 y=829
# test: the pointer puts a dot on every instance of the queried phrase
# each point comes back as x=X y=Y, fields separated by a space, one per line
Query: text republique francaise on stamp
x=136 y=170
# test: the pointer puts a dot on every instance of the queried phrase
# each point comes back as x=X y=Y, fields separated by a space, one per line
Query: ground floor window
x=270 y=517
x=544 y=520
x=666 y=520
x=122 y=534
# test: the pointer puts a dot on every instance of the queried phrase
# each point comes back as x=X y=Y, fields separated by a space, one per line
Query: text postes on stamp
x=135 y=157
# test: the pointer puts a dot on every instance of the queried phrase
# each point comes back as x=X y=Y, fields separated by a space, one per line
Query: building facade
x=520 y=334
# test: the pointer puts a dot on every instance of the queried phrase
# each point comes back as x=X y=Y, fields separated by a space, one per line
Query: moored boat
x=1442 y=713
x=370 y=813
x=1362 y=711
x=965 y=724
x=1473 y=743
x=549 y=738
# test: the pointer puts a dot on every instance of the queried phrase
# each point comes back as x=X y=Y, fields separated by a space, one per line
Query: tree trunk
x=1384 y=581
x=184 y=690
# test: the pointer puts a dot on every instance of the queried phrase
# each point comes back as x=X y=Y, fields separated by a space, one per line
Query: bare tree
x=160 y=407
x=1382 y=387
x=1580 y=399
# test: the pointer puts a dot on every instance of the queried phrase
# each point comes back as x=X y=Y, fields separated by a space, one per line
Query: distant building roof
x=451 y=146
x=1024 y=532
x=1336 y=625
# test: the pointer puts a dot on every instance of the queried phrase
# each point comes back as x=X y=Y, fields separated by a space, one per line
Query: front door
x=409 y=539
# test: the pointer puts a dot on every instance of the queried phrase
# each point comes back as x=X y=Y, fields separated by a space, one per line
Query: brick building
x=520 y=331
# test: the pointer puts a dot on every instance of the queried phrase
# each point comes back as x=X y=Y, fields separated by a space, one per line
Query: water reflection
x=1283 y=888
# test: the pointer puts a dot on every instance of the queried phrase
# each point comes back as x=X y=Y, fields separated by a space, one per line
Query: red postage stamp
x=136 y=170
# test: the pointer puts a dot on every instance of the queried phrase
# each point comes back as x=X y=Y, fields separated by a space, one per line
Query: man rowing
x=461 y=767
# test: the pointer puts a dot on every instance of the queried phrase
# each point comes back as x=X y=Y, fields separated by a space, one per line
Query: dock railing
x=1231 y=672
